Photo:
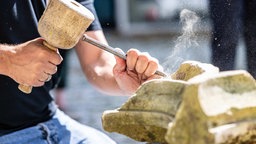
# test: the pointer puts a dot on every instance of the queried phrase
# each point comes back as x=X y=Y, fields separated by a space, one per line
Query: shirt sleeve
x=90 y=6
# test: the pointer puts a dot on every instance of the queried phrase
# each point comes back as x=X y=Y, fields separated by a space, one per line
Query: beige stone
x=196 y=108
x=145 y=116
x=207 y=103
x=190 y=69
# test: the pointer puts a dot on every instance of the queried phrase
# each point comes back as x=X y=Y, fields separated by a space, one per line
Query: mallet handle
x=25 y=88
x=112 y=50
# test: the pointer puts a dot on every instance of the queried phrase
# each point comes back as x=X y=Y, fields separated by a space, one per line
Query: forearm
x=98 y=65
x=101 y=76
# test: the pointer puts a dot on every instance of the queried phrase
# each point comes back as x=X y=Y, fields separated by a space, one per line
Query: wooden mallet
x=62 y=25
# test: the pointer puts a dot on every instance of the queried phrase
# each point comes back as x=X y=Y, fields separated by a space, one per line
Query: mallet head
x=64 y=22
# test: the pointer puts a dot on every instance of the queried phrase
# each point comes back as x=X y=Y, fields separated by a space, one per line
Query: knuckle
x=133 y=52
x=60 y=59
x=153 y=64
x=39 y=83
x=38 y=66
x=54 y=70
x=143 y=58
x=154 y=60
x=34 y=77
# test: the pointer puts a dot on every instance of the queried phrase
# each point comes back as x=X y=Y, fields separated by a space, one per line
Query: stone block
x=146 y=114
x=196 y=105
x=211 y=103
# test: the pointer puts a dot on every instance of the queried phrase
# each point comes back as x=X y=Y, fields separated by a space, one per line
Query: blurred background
x=153 y=26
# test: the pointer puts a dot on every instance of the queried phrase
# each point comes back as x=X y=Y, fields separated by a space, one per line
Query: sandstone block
x=146 y=115
x=212 y=102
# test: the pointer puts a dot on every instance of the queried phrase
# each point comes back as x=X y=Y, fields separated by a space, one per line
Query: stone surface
x=210 y=102
x=197 y=107
x=190 y=69
x=145 y=116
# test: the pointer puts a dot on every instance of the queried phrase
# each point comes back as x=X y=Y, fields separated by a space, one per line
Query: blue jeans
x=61 y=129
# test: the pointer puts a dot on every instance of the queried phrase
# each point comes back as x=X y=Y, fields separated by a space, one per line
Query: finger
x=118 y=50
x=37 y=83
x=131 y=59
x=120 y=63
x=50 y=69
x=55 y=58
x=152 y=67
x=43 y=77
x=142 y=63
x=49 y=78
x=34 y=80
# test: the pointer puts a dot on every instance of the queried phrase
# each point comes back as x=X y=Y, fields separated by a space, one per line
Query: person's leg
x=31 y=135
x=250 y=35
x=61 y=129
x=225 y=16
x=67 y=130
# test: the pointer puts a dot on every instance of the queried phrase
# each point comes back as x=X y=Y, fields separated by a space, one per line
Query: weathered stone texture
x=188 y=108
x=222 y=99
x=145 y=116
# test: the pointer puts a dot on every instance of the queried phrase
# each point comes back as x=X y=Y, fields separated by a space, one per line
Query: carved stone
x=145 y=116
x=195 y=105
x=209 y=104
x=190 y=69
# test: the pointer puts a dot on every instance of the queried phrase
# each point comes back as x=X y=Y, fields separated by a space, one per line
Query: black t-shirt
x=18 y=24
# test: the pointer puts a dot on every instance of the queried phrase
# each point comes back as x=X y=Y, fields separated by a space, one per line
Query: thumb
x=120 y=62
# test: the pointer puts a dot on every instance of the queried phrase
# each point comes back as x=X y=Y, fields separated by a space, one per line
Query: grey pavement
x=86 y=104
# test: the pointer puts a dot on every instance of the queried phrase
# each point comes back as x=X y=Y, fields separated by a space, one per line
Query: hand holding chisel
x=112 y=50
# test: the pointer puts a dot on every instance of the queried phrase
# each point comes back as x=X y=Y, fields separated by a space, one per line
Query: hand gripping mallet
x=62 y=25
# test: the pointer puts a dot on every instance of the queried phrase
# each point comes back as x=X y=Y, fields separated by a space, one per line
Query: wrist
x=4 y=59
